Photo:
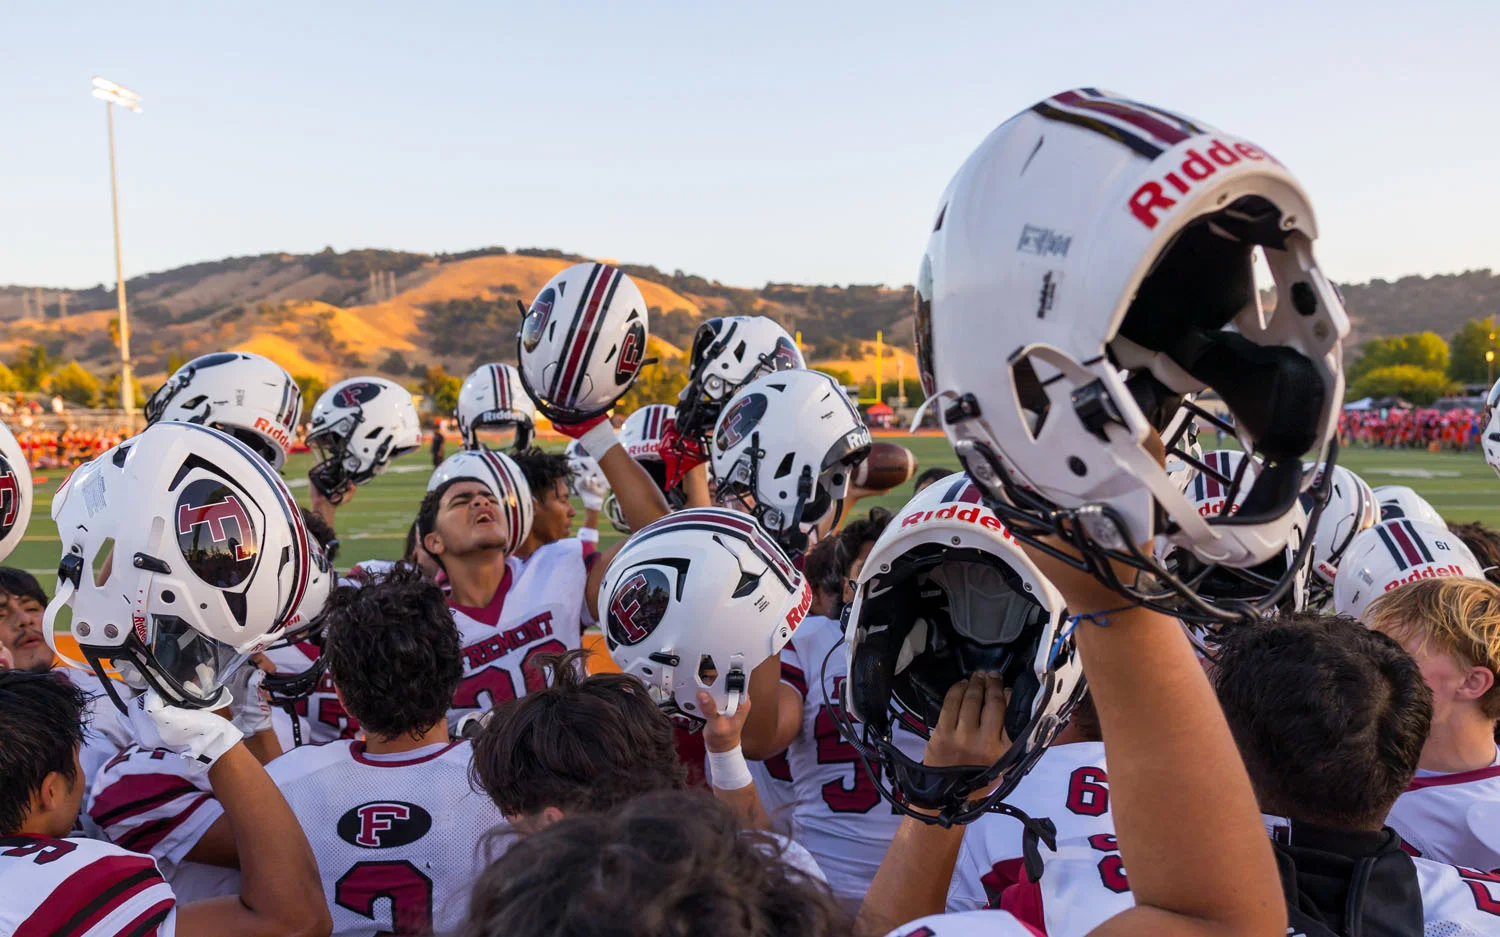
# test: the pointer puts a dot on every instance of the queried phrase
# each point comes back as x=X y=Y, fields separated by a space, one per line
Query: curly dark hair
x=321 y=532
x=543 y=470
x=929 y=476
x=394 y=653
x=41 y=729
x=1484 y=542
x=665 y=863
x=1329 y=716
x=583 y=743
x=821 y=568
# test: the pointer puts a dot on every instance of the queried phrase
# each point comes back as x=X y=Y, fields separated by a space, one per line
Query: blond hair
x=1458 y=616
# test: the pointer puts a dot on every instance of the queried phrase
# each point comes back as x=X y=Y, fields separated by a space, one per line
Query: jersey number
x=409 y=891
x=833 y=750
x=1087 y=794
x=1486 y=888
x=499 y=684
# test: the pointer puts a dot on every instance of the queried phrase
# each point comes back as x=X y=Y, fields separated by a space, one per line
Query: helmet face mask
x=1138 y=307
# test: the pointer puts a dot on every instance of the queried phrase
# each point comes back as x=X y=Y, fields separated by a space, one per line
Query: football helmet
x=15 y=492
x=494 y=396
x=946 y=591
x=504 y=478
x=785 y=447
x=1393 y=553
x=245 y=395
x=1114 y=268
x=210 y=561
x=727 y=354
x=582 y=342
x=358 y=426
x=644 y=436
x=1398 y=501
x=697 y=600
x=1351 y=509
x=585 y=470
x=1490 y=438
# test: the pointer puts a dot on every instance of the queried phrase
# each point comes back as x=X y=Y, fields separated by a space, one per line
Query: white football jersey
x=538 y=609
x=840 y=816
x=967 y=924
x=157 y=802
x=778 y=794
x=1068 y=786
x=321 y=717
x=1452 y=818
x=81 y=888
x=399 y=838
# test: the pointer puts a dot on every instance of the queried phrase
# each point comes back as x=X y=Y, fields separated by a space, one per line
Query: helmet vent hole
x=102 y=560
x=1031 y=395
x=707 y=672
x=785 y=468
x=374 y=432
x=739 y=352
x=746 y=585
x=168 y=596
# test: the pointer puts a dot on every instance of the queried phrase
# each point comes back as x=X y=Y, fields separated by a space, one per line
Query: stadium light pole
x=112 y=94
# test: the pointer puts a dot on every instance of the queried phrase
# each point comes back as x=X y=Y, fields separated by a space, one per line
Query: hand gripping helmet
x=1490 y=421
x=785 y=446
x=582 y=342
x=15 y=492
x=584 y=468
x=727 y=354
x=494 y=396
x=1089 y=265
x=946 y=591
x=1393 y=553
x=1398 y=501
x=644 y=435
x=247 y=396
x=1351 y=509
x=358 y=426
x=208 y=560
x=503 y=477
x=696 y=600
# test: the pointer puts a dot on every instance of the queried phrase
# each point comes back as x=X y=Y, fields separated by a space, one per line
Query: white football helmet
x=493 y=396
x=1397 y=501
x=585 y=469
x=1072 y=293
x=1218 y=490
x=696 y=600
x=1489 y=440
x=1351 y=509
x=1394 y=553
x=644 y=436
x=504 y=478
x=358 y=426
x=785 y=446
x=15 y=492
x=245 y=395
x=210 y=561
x=946 y=591
x=727 y=354
x=582 y=342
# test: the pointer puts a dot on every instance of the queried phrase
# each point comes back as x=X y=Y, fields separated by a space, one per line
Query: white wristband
x=588 y=534
x=600 y=439
x=728 y=770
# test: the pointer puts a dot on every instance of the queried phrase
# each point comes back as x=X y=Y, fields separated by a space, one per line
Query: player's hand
x=680 y=454
x=971 y=726
x=592 y=491
x=722 y=733
x=252 y=708
x=192 y=733
x=577 y=430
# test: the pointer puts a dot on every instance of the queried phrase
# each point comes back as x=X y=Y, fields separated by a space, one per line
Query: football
x=887 y=466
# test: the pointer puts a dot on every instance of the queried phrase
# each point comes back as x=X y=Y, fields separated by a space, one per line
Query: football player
x=550 y=478
x=1451 y=811
x=86 y=888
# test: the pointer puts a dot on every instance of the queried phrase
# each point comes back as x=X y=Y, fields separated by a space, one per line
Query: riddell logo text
x=799 y=611
x=1425 y=573
x=969 y=515
x=1153 y=199
x=275 y=432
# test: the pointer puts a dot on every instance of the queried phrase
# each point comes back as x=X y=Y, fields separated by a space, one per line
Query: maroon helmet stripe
x=510 y=498
x=1406 y=537
x=1129 y=113
x=593 y=340
x=583 y=296
x=586 y=327
x=745 y=526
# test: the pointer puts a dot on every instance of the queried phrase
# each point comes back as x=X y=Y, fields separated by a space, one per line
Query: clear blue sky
x=749 y=142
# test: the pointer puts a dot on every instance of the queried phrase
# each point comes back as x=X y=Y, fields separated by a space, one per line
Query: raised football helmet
x=1394 y=553
x=1397 y=501
x=727 y=354
x=504 y=478
x=785 y=447
x=696 y=600
x=945 y=592
x=1351 y=509
x=493 y=396
x=585 y=471
x=582 y=342
x=358 y=426
x=245 y=395
x=1072 y=293
x=644 y=436
x=210 y=561
x=15 y=492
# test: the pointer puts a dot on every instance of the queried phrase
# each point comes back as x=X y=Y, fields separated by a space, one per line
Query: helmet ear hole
x=707 y=671
x=102 y=561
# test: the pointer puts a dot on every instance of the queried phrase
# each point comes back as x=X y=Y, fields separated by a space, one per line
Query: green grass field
x=373 y=525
